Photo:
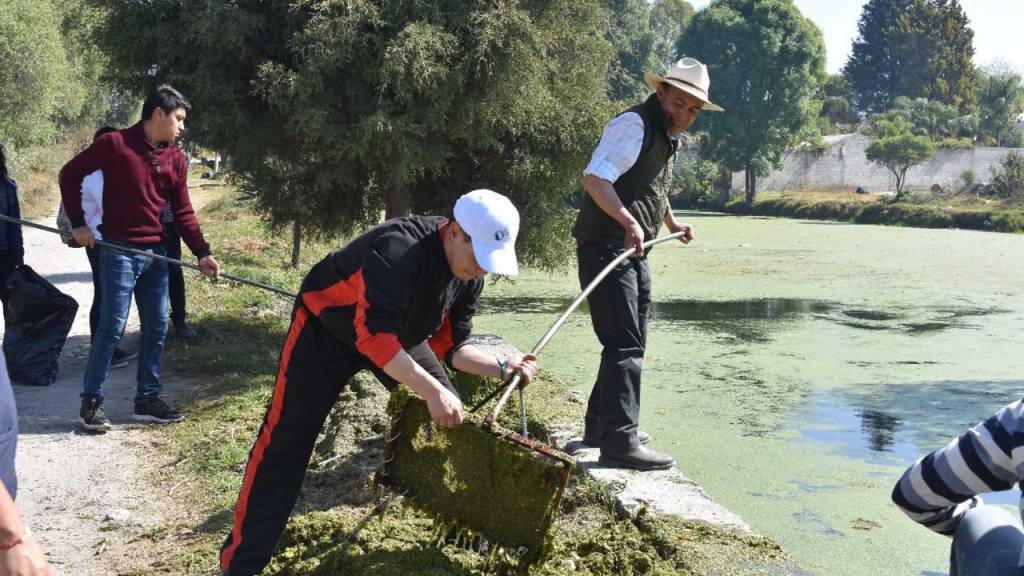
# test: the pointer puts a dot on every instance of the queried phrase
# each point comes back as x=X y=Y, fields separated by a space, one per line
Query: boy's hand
x=83 y=235
x=445 y=408
x=211 y=269
x=527 y=365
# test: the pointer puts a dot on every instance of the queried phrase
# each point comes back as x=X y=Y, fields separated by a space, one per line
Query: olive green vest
x=636 y=187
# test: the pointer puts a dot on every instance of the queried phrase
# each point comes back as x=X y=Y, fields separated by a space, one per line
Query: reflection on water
x=752 y=320
x=743 y=320
x=706 y=311
x=879 y=428
x=910 y=426
x=498 y=305
x=869 y=315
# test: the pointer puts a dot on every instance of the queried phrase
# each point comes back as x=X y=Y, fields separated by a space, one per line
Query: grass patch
x=232 y=372
x=922 y=210
x=35 y=169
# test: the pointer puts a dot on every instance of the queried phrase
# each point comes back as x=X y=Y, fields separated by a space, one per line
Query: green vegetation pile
x=478 y=482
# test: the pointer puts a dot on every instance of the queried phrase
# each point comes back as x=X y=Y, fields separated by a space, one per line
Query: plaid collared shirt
x=620 y=146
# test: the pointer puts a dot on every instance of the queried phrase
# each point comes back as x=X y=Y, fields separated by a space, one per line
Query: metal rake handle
x=514 y=383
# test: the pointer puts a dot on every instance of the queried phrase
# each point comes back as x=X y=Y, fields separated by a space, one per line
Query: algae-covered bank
x=795 y=368
x=586 y=537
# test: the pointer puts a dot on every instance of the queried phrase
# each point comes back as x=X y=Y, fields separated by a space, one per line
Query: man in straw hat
x=394 y=301
x=621 y=210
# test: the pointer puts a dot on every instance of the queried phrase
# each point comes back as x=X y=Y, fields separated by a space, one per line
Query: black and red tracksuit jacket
x=392 y=289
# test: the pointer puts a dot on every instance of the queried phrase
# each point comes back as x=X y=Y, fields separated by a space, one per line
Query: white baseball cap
x=492 y=222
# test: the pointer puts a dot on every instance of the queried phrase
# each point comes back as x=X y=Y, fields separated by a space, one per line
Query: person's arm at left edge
x=188 y=225
x=451 y=343
x=20 y=554
x=674 y=226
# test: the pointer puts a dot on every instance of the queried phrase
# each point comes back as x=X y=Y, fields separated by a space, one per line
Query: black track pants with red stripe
x=314 y=368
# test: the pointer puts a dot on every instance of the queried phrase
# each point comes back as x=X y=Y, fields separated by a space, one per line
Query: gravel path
x=87 y=496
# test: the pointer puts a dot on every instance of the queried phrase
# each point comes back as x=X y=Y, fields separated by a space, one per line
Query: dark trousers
x=619 y=307
x=97 y=292
x=314 y=368
x=175 y=276
x=7 y=266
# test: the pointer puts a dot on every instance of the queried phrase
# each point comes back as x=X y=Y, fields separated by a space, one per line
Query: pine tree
x=913 y=48
x=933 y=48
x=871 y=70
x=334 y=111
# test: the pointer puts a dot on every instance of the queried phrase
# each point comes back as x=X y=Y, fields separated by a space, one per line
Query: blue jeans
x=121 y=274
x=987 y=542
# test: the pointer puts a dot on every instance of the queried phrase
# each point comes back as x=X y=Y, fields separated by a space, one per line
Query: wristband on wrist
x=8 y=545
x=503 y=364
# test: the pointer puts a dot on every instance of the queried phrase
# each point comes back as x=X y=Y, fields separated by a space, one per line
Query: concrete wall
x=845 y=166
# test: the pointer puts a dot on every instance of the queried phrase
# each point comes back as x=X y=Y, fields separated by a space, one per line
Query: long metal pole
x=489 y=421
x=151 y=255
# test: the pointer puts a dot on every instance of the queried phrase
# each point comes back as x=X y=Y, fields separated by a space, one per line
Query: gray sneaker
x=91 y=416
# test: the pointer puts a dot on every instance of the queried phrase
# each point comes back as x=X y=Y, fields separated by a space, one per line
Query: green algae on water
x=473 y=480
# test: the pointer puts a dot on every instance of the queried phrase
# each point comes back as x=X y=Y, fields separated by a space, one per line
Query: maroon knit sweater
x=138 y=179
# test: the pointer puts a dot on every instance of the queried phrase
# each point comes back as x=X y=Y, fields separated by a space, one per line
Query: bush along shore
x=922 y=211
x=233 y=374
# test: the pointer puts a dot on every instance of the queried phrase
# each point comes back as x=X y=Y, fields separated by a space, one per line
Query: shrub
x=693 y=184
x=967 y=177
x=1008 y=178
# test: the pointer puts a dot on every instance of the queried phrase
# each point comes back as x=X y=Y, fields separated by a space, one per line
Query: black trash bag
x=39 y=319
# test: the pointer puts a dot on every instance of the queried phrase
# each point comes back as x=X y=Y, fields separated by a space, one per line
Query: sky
x=998 y=28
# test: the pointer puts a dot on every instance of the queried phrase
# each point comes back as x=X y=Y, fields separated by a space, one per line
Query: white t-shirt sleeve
x=92 y=201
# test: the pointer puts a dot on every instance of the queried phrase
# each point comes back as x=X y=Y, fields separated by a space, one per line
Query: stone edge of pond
x=667 y=492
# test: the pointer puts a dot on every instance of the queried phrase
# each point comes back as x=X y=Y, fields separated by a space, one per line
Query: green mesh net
x=492 y=484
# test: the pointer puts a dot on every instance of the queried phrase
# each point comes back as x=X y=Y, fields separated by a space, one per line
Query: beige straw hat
x=690 y=76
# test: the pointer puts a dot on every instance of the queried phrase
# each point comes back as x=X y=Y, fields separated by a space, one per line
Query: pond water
x=795 y=369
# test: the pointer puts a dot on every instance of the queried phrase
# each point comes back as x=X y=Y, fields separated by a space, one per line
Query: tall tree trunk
x=751 y=185
x=724 y=185
x=296 y=242
x=397 y=202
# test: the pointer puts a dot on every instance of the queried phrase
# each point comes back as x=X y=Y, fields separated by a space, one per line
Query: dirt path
x=87 y=496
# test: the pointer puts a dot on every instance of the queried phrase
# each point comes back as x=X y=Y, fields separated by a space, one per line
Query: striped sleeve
x=941 y=487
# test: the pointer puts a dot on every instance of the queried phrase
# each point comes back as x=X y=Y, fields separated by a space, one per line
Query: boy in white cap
x=394 y=301
x=621 y=210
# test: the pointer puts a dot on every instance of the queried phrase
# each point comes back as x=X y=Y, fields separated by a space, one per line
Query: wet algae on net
x=478 y=482
x=587 y=537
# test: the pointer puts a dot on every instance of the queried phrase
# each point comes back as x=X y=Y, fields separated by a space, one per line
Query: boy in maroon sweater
x=142 y=169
